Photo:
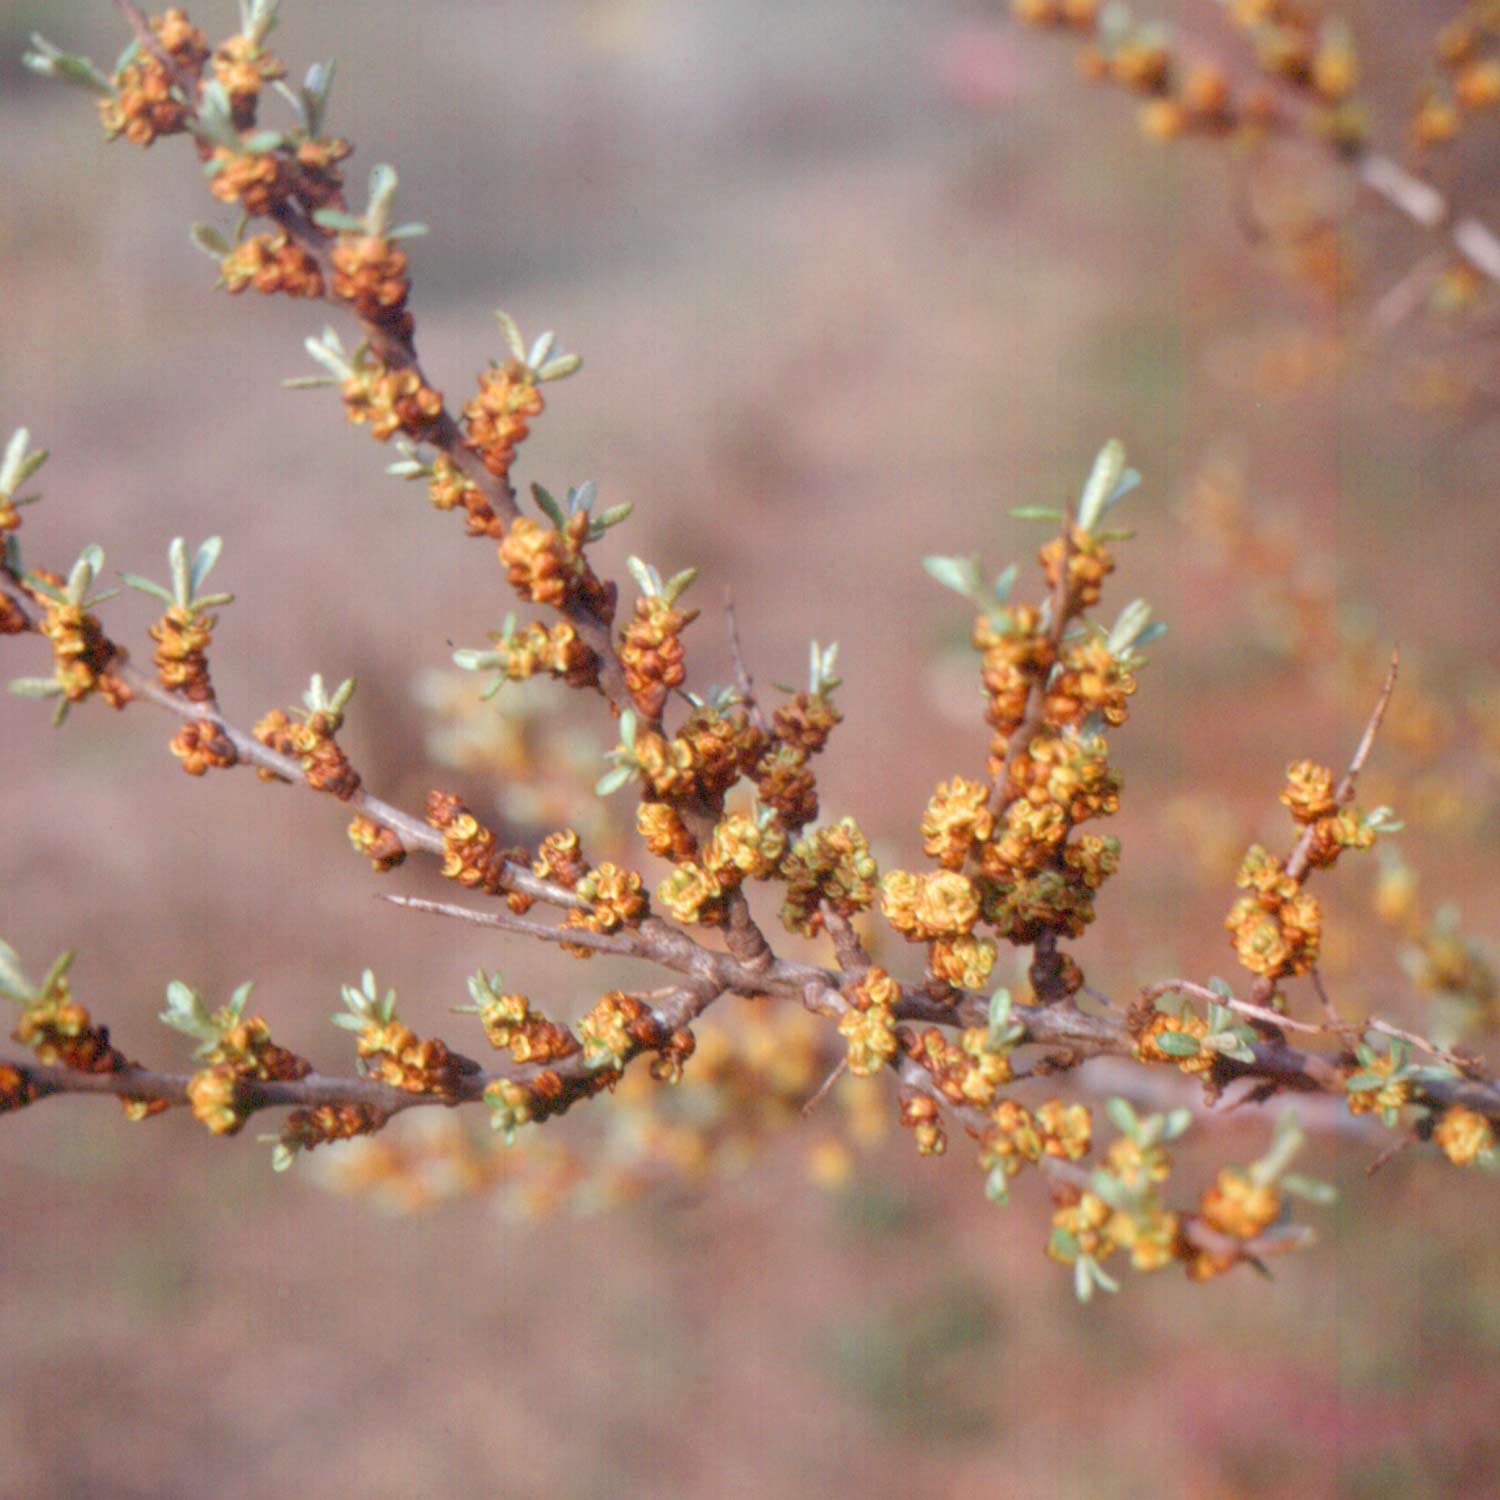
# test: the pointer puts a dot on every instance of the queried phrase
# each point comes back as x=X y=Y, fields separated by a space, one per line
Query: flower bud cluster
x=271 y=262
x=545 y=564
x=369 y=272
x=618 y=1027
x=829 y=866
x=651 y=652
x=1464 y=1135
x=389 y=400
x=495 y=419
x=243 y=67
x=82 y=655
x=183 y=636
x=201 y=745
x=144 y=104
x=393 y=1053
x=449 y=489
x=305 y=1129
x=869 y=1024
x=919 y=1113
x=382 y=846
x=511 y=1025
x=17 y=1089
x=310 y=740
x=470 y=855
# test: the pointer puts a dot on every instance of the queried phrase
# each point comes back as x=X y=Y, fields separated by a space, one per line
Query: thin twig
x=743 y=678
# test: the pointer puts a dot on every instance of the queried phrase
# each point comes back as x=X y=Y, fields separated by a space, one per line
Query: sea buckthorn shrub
x=873 y=981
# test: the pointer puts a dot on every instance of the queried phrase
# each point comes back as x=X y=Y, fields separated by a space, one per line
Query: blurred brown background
x=834 y=318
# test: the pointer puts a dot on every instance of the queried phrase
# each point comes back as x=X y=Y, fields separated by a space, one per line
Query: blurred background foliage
x=850 y=280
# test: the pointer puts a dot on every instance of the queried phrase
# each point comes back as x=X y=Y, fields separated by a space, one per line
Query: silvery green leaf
x=34 y=687
x=60 y=966
x=536 y=356
x=146 y=586
x=53 y=62
x=1005 y=582
x=1133 y=619
x=282 y=1156
x=408 y=468
x=1177 y=1044
x=316 y=87
x=309 y=382
x=647 y=579
x=203 y=561
x=476 y=661
x=997 y=1185
x=1359 y=1082
x=236 y=1003
x=1309 y=1189
x=1108 y=470
x=1036 y=513
x=13 y=981
x=1177 y=1121
x=328 y=351
x=1152 y=632
x=613 y=780
x=412 y=231
x=581 y=496
x=348 y=1021
x=999 y=1011
x=258 y=142
x=337 y=218
x=1221 y=988
x=1083 y=1283
x=382 y=190
x=513 y=339
x=961 y=574
x=18 y=466
x=548 y=506
x=628 y=728
x=613 y=516
x=187 y=1013
x=561 y=367
x=177 y=563
x=209 y=240
x=678 y=584
x=1121 y=1115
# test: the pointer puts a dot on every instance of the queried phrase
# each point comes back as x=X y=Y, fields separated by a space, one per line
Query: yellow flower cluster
x=271 y=262
x=831 y=866
x=1276 y=929
x=182 y=638
x=82 y=655
x=869 y=1025
x=393 y=1053
x=651 y=652
x=369 y=272
x=201 y=745
x=1390 y=1093
x=616 y=1029
x=495 y=417
x=921 y=1116
x=449 y=489
x=379 y=844
x=389 y=400
x=310 y=741
x=470 y=855
x=144 y=104
x=511 y=1025
x=243 y=66
x=1463 y=1134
